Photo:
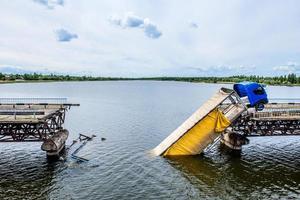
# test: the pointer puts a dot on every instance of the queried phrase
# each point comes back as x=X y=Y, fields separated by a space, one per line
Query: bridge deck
x=31 y=119
x=28 y=113
x=278 y=111
x=275 y=119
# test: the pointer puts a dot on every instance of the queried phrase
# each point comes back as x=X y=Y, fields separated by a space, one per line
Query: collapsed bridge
x=230 y=116
x=34 y=120
x=277 y=119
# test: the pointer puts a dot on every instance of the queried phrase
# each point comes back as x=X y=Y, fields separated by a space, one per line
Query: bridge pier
x=233 y=140
x=56 y=143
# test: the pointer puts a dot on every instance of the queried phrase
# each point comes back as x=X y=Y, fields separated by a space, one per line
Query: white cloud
x=130 y=20
x=290 y=67
x=150 y=29
x=50 y=4
x=63 y=35
x=235 y=33
x=293 y=64
x=193 y=24
x=284 y=68
x=225 y=70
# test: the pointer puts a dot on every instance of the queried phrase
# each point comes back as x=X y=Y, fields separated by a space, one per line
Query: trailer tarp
x=201 y=128
x=200 y=136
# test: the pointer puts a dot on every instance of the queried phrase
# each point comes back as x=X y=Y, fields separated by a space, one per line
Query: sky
x=134 y=38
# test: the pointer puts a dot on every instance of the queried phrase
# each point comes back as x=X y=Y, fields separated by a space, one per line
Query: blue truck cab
x=254 y=92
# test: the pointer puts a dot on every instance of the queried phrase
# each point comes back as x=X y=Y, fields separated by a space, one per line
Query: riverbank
x=290 y=80
x=137 y=79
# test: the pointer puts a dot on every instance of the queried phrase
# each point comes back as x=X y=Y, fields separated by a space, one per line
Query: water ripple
x=134 y=117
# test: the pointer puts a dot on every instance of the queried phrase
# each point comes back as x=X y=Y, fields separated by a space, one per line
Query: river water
x=135 y=116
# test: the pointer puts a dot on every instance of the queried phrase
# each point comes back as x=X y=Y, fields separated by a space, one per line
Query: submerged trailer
x=204 y=126
x=215 y=121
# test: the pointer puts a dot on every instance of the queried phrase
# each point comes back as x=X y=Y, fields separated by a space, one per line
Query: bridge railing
x=33 y=100
x=283 y=114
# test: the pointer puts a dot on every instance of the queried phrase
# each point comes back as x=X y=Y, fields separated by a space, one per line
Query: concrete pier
x=233 y=140
x=54 y=144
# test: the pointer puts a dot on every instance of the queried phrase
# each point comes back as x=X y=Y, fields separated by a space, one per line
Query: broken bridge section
x=31 y=119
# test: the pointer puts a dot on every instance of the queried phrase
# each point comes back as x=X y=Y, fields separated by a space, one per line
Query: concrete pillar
x=233 y=140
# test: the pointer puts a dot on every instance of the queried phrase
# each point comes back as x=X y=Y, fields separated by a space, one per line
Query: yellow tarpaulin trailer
x=204 y=126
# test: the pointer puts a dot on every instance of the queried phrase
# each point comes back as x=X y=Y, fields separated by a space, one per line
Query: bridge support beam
x=233 y=141
x=56 y=143
x=32 y=131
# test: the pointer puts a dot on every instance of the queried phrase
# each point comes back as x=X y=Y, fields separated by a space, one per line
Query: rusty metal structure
x=31 y=119
x=277 y=119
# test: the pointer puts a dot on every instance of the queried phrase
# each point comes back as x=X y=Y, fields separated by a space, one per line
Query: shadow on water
x=26 y=175
x=225 y=174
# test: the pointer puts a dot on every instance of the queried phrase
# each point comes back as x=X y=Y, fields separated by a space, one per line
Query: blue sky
x=133 y=38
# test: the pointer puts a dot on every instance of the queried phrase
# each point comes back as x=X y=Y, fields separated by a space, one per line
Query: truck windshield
x=259 y=91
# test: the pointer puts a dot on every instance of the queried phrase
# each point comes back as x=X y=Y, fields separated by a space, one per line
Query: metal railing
x=33 y=100
x=277 y=114
x=284 y=100
x=282 y=106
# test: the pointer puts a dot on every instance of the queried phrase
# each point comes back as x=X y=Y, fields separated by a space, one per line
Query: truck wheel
x=259 y=107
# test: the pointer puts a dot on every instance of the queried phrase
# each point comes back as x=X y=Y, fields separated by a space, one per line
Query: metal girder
x=253 y=127
x=32 y=131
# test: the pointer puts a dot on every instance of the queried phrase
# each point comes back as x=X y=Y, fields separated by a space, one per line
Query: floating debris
x=83 y=139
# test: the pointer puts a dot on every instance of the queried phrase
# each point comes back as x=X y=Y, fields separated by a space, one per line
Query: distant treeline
x=290 y=79
x=54 y=77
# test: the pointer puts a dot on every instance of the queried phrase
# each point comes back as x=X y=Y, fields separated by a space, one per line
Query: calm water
x=134 y=117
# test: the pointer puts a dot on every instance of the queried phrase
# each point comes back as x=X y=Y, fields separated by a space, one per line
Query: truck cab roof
x=254 y=91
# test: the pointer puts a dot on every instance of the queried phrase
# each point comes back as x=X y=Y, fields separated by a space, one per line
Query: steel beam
x=32 y=131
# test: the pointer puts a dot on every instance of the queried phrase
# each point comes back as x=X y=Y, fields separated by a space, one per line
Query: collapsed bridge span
x=204 y=126
x=32 y=119
x=230 y=116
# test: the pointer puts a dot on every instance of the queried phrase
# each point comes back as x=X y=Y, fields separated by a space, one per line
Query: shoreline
x=136 y=79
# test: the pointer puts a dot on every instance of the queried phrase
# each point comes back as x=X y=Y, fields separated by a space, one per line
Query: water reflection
x=26 y=174
x=226 y=175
